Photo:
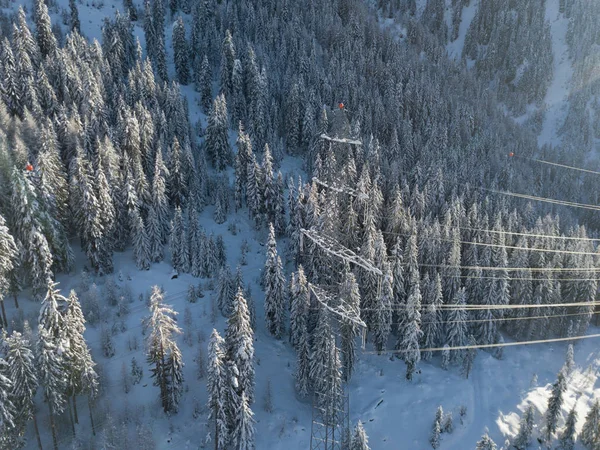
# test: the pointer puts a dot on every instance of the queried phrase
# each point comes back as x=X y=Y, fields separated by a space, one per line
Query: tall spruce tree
x=216 y=386
x=240 y=347
x=554 y=406
x=360 y=440
x=181 y=52
x=274 y=288
x=162 y=351
x=523 y=438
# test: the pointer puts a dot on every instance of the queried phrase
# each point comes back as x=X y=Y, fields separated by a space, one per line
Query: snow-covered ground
x=455 y=48
x=556 y=98
x=397 y=414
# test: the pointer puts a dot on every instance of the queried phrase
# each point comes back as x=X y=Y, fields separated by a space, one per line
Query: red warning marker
x=341 y=105
x=511 y=154
x=29 y=167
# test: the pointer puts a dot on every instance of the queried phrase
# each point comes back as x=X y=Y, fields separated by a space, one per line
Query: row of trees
x=60 y=364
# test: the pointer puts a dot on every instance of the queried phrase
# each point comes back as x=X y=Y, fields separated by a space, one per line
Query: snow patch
x=455 y=48
x=557 y=95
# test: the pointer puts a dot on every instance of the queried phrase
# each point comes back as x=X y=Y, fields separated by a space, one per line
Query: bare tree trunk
x=4 y=314
x=91 y=416
x=53 y=427
x=75 y=409
x=37 y=431
x=71 y=417
x=16 y=297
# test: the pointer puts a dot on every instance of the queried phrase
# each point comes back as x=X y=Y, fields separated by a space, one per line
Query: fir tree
x=240 y=348
x=360 y=440
x=45 y=37
x=181 y=52
x=162 y=351
x=302 y=373
x=523 y=438
x=216 y=387
x=348 y=329
x=274 y=288
x=217 y=143
x=7 y=408
x=590 y=433
x=567 y=438
x=179 y=243
x=243 y=433
x=382 y=315
x=51 y=368
x=486 y=443
x=300 y=302
x=22 y=372
x=431 y=324
x=434 y=438
x=141 y=246
x=8 y=255
x=75 y=24
x=469 y=359
x=411 y=334
x=204 y=85
x=554 y=406
x=227 y=62
x=456 y=327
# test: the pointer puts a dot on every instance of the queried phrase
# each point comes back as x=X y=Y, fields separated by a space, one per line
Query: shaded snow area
x=455 y=48
x=556 y=97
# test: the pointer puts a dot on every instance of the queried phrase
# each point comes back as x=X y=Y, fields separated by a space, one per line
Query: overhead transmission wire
x=511 y=247
x=564 y=166
x=480 y=346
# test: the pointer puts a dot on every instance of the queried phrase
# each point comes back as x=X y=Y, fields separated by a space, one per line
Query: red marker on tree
x=29 y=167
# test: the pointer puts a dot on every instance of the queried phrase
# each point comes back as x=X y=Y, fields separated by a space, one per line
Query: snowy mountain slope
x=455 y=48
x=556 y=101
x=397 y=414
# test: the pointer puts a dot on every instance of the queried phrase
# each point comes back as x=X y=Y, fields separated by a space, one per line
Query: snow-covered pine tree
x=82 y=376
x=456 y=326
x=411 y=332
x=348 y=329
x=274 y=282
x=382 y=314
x=8 y=254
x=141 y=246
x=179 y=243
x=181 y=52
x=225 y=291
x=299 y=304
x=216 y=386
x=22 y=372
x=523 y=438
x=227 y=62
x=554 y=406
x=436 y=430
x=162 y=351
x=176 y=183
x=204 y=85
x=325 y=368
x=486 y=443
x=567 y=438
x=50 y=363
x=360 y=440
x=238 y=100
x=45 y=37
x=431 y=326
x=469 y=356
x=240 y=347
x=590 y=433
x=243 y=433
x=302 y=373
x=7 y=408
x=569 y=361
x=217 y=144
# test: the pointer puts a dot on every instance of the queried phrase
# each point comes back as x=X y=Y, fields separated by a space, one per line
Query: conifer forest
x=299 y=224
